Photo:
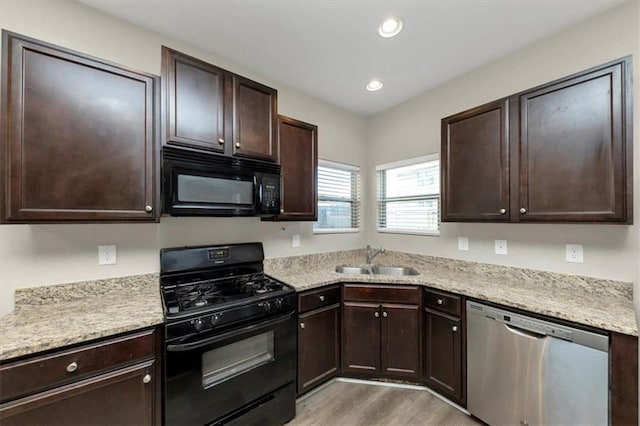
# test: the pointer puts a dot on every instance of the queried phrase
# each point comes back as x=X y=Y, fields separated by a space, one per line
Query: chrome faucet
x=369 y=257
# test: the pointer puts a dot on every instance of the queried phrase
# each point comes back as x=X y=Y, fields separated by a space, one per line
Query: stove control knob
x=278 y=303
x=197 y=324
x=266 y=306
x=215 y=318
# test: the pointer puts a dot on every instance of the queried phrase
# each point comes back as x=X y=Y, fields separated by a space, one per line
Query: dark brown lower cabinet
x=113 y=381
x=122 y=397
x=623 y=379
x=361 y=338
x=443 y=355
x=318 y=346
x=381 y=331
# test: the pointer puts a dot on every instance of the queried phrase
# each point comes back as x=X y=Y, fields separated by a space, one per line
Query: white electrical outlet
x=463 y=243
x=574 y=253
x=295 y=240
x=501 y=246
x=107 y=255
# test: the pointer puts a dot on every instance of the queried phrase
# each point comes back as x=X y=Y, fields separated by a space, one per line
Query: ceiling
x=330 y=49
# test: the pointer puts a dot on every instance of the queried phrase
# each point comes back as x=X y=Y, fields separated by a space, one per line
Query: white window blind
x=338 y=197
x=409 y=196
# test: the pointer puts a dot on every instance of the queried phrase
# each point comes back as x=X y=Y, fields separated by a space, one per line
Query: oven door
x=235 y=370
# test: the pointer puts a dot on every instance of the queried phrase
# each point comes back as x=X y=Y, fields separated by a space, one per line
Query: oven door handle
x=200 y=343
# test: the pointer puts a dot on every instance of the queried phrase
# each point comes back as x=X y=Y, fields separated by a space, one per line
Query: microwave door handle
x=200 y=343
x=258 y=189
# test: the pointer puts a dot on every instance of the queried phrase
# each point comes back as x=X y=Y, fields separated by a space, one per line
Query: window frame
x=356 y=201
x=380 y=202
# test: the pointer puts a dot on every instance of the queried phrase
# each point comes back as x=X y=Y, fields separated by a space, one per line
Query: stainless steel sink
x=352 y=270
x=394 y=270
x=379 y=270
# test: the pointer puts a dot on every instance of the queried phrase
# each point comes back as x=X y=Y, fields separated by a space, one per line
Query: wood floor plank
x=358 y=404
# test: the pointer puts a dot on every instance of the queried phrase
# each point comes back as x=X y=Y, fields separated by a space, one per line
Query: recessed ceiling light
x=374 y=85
x=390 y=27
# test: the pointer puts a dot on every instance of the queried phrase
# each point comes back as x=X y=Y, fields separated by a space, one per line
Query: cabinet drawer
x=443 y=302
x=32 y=375
x=318 y=298
x=382 y=293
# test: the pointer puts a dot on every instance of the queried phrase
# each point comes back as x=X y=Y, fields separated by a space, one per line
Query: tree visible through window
x=409 y=196
x=338 y=197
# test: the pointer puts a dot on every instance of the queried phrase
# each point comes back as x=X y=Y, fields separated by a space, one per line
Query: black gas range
x=230 y=337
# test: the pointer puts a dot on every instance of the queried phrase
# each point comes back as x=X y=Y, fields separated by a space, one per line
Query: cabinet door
x=79 y=137
x=574 y=148
x=623 y=379
x=443 y=357
x=298 y=148
x=318 y=347
x=195 y=102
x=361 y=338
x=475 y=164
x=400 y=339
x=254 y=119
x=123 y=397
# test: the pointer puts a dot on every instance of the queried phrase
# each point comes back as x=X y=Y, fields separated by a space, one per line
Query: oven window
x=227 y=362
x=201 y=189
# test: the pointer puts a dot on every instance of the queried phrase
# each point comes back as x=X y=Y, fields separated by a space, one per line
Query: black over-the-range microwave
x=201 y=184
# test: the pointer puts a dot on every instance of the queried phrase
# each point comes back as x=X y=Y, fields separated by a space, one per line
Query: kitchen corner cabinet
x=381 y=335
x=209 y=108
x=318 y=337
x=445 y=361
x=569 y=150
x=298 y=153
x=110 y=382
x=78 y=141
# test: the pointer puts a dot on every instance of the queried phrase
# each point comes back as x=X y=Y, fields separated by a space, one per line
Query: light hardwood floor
x=353 y=404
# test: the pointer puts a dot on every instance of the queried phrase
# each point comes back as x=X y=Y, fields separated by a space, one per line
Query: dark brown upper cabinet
x=212 y=109
x=475 y=164
x=298 y=153
x=78 y=140
x=569 y=145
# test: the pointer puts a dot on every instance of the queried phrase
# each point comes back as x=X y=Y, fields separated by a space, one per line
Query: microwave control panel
x=270 y=194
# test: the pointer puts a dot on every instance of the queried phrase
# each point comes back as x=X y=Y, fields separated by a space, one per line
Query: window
x=409 y=196
x=338 y=198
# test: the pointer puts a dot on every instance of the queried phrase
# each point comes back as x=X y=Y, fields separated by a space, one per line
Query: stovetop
x=210 y=294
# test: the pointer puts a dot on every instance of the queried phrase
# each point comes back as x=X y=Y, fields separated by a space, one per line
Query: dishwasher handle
x=524 y=333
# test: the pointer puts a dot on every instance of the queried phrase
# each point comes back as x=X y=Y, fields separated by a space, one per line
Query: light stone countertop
x=51 y=317
x=600 y=303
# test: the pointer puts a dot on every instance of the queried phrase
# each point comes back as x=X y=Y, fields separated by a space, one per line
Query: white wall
x=413 y=129
x=32 y=255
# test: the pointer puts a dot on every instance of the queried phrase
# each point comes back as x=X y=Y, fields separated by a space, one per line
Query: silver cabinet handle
x=301 y=325
x=148 y=209
x=503 y=211
x=321 y=298
x=384 y=314
x=221 y=141
x=440 y=301
x=523 y=210
x=72 y=367
x=146 y=378
x=454 y=328
x=237 y=144
x=377 y=314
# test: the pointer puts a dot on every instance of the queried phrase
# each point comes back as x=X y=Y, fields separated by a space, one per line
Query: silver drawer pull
x=237 y=144
x=72 y=367
x=376 y=314
x=146 y=378
x=221 y=141
x=321 y=298
x=384 y=314
x=523 y=210
x=503 y=211
x=454 y=328
x=148 y=209
x=301 y=325
x=440 y=301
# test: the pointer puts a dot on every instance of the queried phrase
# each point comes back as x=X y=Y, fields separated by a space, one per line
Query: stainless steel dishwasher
x=525 y=371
